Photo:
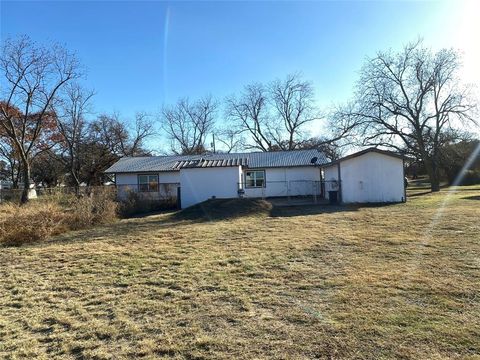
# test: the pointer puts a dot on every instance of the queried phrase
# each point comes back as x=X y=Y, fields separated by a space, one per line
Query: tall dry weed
x=40 y=219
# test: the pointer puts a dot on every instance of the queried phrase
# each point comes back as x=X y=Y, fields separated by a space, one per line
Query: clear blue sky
x=140 y=55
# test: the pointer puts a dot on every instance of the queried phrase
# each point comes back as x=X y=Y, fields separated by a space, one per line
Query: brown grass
x=36 y=222
x=399 y=281
x=40 y=219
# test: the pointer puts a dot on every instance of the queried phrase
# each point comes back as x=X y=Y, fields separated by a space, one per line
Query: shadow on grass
x=227 y=209
x=208 y=211
x=459 y=188
x=306 y=210
x=222 y=209
x=474 y=197
x=419 y=193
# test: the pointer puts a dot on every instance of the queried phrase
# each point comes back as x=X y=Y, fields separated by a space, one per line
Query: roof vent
x=313 y=160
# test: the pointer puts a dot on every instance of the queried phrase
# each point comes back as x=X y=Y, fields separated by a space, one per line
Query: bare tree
x=276 y=117
x=120 y=138
x=407 y=100
x=108 y=139
x=142 y=129
x=332 y=150
x=31 y=78
x=188 y=124
x=231 y=138
x=11 y=159
x=294 y=103
x=249 y=113
x=72 y=128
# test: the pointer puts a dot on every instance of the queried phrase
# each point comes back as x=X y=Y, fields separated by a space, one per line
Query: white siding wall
x=371 y=177
x=200 y=184
x=293 y=181
x=126 y=179
x=330 y=174
x=169 y=177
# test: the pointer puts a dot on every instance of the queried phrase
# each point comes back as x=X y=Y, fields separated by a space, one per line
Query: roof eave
x=366 y=151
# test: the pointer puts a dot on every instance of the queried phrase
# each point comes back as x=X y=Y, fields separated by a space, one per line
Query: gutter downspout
x=322 y=184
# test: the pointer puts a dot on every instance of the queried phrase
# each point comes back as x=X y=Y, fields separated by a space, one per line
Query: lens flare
x=165 y=50
x=451 y=190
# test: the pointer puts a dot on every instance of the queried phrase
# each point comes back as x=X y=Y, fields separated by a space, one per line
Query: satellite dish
x=313 y=160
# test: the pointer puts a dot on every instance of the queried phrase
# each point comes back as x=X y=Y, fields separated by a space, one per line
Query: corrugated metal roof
x=250 y=160
x=368 y=150
x=204 y=163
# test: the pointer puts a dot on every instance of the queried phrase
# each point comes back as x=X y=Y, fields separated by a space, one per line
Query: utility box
x=333 y=197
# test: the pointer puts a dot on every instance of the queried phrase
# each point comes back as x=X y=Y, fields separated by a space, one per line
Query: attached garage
x=368 y=176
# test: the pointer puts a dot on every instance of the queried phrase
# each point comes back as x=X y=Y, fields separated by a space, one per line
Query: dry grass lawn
x=399 y=281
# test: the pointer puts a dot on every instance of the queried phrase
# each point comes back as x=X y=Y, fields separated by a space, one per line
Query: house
x=197 y=178
x=5 y=185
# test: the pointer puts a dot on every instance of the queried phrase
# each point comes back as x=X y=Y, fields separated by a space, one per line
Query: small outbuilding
x=368 y=176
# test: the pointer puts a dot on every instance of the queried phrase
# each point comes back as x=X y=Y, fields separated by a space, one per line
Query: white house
x=263 y=174
x=5 y=185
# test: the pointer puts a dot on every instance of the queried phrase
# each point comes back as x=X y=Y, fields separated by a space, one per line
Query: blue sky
x=140 y=55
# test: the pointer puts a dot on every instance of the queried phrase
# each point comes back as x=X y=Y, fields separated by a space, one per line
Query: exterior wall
x=371 y=177
x=126 y=179
x=200 y=184
x=292 y=181
x=331 y=179
x=4 y=184
x=168 y=183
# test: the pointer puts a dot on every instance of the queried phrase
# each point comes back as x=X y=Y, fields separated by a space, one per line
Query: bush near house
x=38 y=220
x=471 y=177
x=61 y=209
x=134 y=203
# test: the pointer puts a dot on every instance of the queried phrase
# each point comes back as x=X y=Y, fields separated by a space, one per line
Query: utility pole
x=213 y=143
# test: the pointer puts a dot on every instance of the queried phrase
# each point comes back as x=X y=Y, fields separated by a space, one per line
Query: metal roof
x=368 y=150
x=251 y=160
x=203 y=163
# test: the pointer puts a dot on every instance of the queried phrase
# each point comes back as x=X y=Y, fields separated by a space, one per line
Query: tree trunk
x=26 y=183
x=434 y=183
x=433 y=174
x=14 y=178
x=76 y=181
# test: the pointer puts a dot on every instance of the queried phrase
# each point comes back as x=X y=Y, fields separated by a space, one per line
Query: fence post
x=179 y=198
x=288 y=190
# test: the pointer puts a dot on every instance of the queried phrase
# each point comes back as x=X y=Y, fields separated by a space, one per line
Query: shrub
x=135 y=203
x=40 y=219
x=471 y=177
x=97 y=207
x=26 y=224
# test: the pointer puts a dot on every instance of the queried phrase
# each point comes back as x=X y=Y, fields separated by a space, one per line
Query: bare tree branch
x=31 y=79
x=188 y=124
x=407 y=100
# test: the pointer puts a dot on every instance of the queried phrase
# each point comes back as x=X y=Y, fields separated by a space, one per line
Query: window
x=147 y=183
x=255 y=178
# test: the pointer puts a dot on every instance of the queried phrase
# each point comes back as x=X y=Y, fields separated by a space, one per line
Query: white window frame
x=247 y=186
x=150 y=188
